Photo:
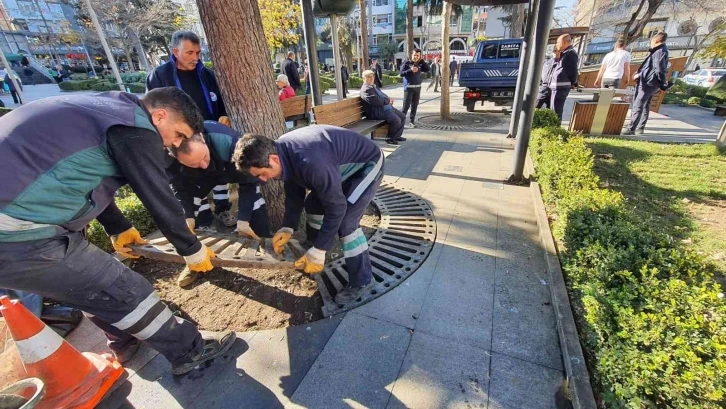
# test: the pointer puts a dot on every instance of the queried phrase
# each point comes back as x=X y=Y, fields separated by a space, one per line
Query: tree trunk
x=127 y=50
x=409 y=28
x=364 y=33
x=721 y=141
x=234 y=28
x=445 y=72
x=143 y=61
x=638 y=24
x=517 y=24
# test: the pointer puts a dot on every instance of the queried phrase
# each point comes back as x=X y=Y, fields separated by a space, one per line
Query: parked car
x=704 y=78
x=492 y=76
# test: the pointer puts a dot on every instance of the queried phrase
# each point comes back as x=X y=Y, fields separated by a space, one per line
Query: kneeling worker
x=66 y=177
x=378 y=105
x=342 y=169
x=204 y=161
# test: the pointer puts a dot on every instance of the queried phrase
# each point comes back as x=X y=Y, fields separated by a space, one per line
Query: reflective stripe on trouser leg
x=357 y=258
x=221 y=192
x=314 y=220
x=204 y=214
x=313 y=215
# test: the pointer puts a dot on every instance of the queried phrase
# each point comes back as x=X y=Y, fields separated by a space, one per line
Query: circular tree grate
x=461 y=121
x=402 y=243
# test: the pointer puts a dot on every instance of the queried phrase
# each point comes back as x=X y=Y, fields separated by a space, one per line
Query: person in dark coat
x=411 y=71
x=452 y=71
x=378 y=105
x=11 y=86
x=651 y=77
x=186 y=72
x=378 y=71
x=559 y=76
x=290 y=67
x=344 y=79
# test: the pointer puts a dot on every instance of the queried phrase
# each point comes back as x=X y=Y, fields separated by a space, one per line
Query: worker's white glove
x=244 y=230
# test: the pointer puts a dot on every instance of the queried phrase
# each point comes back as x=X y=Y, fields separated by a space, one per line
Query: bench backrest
x=296 y=106
x=339 y=113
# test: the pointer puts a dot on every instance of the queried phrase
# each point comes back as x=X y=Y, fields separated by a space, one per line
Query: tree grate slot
x=402 y=243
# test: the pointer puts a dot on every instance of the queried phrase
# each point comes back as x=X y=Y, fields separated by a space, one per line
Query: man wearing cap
x=378 y=105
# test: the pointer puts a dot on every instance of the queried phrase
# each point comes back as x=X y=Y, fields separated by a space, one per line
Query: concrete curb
x=573 y=360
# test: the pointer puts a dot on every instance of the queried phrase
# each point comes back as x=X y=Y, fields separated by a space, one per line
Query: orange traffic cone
x=72 y=379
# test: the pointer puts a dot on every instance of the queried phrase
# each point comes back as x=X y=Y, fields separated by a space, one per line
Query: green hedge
x=134 y=211
x=4 y=111
x=651 y=320
x=99 y=85
x=694 y=101
x=717 y=92
x=544 y=118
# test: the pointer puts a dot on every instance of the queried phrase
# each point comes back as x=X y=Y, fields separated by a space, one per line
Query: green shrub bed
x=100 y=85
x=651 y=320
x=135 y=212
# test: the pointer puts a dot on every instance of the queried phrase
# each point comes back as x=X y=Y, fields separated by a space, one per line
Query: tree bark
x=721 y=141
x=127 y=51
x=445 y=72
x=234 y=28
x=409 y=28
x=634 y=28
x=143 y=61
x=517 y=23
x=364 y=33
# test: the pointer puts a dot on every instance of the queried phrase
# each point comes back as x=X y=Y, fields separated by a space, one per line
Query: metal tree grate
x=401 y=244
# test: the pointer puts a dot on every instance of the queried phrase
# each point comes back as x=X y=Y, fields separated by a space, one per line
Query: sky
x=564 y=11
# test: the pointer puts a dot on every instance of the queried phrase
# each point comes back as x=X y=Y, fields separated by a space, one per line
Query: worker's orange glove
x=201 y=261
x=312 y=262
x=130 y=236
x=224 y=120
x=280 y=239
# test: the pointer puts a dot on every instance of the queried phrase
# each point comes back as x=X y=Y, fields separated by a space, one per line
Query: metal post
x=102 y=36
x=336 y=55
x=312 y=50
x=89 y=57
x=524 y=128
x=12 y=76
x=51 y=49
x=525 y=54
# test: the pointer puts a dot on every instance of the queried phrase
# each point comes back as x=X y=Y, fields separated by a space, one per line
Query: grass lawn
x=678 y=189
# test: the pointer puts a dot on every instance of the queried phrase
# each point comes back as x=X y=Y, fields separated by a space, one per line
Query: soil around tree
x=246 y=299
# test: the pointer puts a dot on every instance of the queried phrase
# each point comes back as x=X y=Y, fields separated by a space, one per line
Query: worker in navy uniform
x=559 y=76
x=342 y=170
x=204 y=161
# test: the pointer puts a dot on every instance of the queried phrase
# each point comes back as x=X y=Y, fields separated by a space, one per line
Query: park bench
x=296 y=108
x=348 y=113
x=720 y=110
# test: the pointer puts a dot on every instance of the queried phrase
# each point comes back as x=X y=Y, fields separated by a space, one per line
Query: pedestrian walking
x=11 y=86
x=411 y=71
x=650 y=78
x=378 y=105
x=559 y=76
x=378 y=71
x=435 y=75
x=615 y=69
x=290 y=68
x=344 y=79
x=453 y=65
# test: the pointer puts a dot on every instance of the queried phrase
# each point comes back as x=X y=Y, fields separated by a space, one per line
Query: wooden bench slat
x=365 y=126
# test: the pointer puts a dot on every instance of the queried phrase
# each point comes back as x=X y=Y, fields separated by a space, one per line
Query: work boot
x=350 y=294
x=215 y=344
x=391 y=142
x=226 y=218
x=401 y=139
x=128 y=352
x=186 y=278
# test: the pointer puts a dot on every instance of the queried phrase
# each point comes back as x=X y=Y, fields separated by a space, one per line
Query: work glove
x=130 y=236
x=191 y=224
x=312 y=262
x=281 y=238
x=224 y=120
x=244 y=230
x=201 y=261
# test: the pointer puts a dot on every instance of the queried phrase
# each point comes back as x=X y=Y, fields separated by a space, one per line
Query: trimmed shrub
x=4 y=111
x=135 y=212
x=544 y=118
x=86 y=85
x=392 y=79
x=718 y=91
x=79 y=77
x=137 y=88
x=651 y=320
x=355 y=82
x=134 y=77
x=708 y=103
x=694 y=101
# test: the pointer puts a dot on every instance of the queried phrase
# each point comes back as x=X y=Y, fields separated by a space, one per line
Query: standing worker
x=615 y=69
x=435 y=75
x=342 y=169
x=559 y=76
x=651 y=77
x=186 y=71
x=411 y=72
x=290 y=68
x=68 y=178
x=202 y=162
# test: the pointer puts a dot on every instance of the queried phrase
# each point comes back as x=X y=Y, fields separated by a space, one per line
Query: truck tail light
x=468 y=95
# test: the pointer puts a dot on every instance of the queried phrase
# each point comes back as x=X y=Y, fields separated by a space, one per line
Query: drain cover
x=461 y=121
x=401 y=244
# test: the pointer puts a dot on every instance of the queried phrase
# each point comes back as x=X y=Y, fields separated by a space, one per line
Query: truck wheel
x=470 y=108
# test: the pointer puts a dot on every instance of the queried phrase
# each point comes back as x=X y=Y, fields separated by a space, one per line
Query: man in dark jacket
x=290 y=68
x=559 y=76
x=342 y=170
x=378 y=105
x=69 y=177
x=411 y=71
x=651 y=77
x=453 y=65
x=187 y=72
x=435 y=75
x=344 y=79
x=204 y=162
x=378 y=71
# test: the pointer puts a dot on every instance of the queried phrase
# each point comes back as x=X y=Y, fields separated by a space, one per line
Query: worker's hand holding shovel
x=244 y=230
x=280 y=239
x=130 y=236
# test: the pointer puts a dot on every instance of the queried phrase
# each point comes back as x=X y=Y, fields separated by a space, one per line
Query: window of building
x=382 y=19
x=434 y=19
x=419 y=21
x=382 y=38
x=454 y=21
x=379 y=3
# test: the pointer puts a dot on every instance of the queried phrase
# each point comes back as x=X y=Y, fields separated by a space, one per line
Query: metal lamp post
x=106 y=48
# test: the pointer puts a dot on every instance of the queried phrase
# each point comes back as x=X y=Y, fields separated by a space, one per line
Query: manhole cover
x=402 y=243
x=461 y=121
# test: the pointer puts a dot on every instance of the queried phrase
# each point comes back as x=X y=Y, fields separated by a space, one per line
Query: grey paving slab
x=517 y=384
x=403 y=304
x=524 y=320
x=458 y=306
x=270 y=372
x=518 y=241
x=153 y=386
x=357 y=366
x=472 y=234
x=437 y=373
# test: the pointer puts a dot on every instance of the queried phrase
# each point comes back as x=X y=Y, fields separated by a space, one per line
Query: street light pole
x=12 y=76
x=336 y=55
x=52 y=50
x=106 y=48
